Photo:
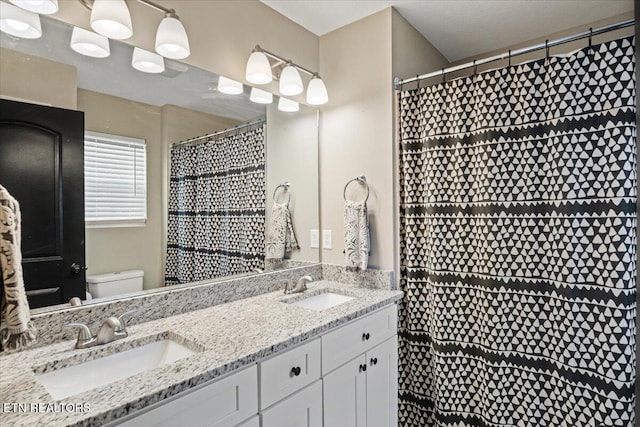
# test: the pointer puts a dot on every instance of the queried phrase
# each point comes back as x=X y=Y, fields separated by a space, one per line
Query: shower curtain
x=518 y=245
x=216 y=208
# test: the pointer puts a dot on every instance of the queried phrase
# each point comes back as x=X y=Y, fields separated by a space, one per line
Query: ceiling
x=180 y=84
x=458 y=28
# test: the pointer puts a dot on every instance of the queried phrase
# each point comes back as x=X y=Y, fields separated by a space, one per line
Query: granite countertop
x=226 y=337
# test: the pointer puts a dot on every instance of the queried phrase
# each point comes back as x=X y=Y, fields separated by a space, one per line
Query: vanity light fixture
x=317 y=91
x=19 y=22
x=230 y=87
x=290 y=81
x=147 y=62
x=287 y=105
x=260 y=96
x=260 y=70
x=45 y=7
x=112 y=19
x=89 y=43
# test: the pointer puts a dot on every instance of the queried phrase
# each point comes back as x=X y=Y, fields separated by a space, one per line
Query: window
x=115 y=180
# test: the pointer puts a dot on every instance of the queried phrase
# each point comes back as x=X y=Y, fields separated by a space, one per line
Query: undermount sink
x=72 y=380
x=322 y=301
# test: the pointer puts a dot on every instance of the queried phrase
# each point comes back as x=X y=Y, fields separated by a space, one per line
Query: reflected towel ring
x=362 y=180
x=286 y=185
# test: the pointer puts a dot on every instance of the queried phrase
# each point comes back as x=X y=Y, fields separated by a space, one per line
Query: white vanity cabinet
x=225 y=402
x=363 y=391
x=302 y=409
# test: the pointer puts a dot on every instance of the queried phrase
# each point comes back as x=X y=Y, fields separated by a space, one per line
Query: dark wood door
x=42 y=166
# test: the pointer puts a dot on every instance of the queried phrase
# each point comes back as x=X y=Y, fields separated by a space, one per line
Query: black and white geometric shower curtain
x=518 y=245
x=216 y=208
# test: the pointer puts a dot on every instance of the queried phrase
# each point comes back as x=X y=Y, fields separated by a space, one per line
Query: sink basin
x=322 y=301
x=72 y=380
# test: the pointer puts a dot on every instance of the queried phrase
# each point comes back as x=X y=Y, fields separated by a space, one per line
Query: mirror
x=178 y=104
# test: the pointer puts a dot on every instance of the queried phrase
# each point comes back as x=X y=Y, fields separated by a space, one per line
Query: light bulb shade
x=258 y=69
x=288 y=105
x=317 y=92
x=147 y=62
x=45 y=7
x=171 y=39
x=290 y=81
x=19 y=22
x=89 y=43
x=260 y=96
x=112 y=19
x=228 y=86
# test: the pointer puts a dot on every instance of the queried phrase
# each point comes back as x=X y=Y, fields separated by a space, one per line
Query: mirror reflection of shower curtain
x=216 y=208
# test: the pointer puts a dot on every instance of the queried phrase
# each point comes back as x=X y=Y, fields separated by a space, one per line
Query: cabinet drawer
x=289 y=372
x=221 y=403
x=347 y=342
x=303 y=409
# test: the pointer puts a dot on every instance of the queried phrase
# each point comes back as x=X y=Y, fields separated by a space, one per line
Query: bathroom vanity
x=327 y=356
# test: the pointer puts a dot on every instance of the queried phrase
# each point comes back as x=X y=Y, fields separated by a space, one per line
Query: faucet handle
x=84 y=333
x=123 y=323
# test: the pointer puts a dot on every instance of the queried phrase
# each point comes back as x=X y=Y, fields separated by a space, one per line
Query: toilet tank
x=110 y=284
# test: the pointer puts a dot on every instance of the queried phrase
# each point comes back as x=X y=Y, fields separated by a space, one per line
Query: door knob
x=77 y=268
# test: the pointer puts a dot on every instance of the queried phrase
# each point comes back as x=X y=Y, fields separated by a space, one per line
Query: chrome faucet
x=113 y=328
x=300 y=286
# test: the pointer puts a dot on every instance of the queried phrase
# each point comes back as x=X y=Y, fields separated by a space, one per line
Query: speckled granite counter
x=229 y=336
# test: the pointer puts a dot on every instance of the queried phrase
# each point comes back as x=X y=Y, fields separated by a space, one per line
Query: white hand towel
x=16 y=330
x=280 y=236
x=356 y=234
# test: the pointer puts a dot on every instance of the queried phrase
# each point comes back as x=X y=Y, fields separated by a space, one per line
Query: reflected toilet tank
x=109 y=284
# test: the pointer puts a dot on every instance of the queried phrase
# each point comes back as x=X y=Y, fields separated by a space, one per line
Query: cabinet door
x=349 y=341
x=303 y=409
x=382 y=384
x=288 y=372
x=221 y=403
x=344 y=392
x=253 y=422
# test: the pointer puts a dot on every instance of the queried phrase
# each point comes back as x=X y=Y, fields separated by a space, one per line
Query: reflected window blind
x=115 y=180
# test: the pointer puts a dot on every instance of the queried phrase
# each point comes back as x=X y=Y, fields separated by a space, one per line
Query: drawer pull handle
x=374 y=361
x=365 y=336
x=363 y=368
x=295 y=371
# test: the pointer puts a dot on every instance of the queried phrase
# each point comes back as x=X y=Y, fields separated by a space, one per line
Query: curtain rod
x=205 y=138
x=506 y=55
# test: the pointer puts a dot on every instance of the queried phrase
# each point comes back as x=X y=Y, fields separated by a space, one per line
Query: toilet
x=110 y=284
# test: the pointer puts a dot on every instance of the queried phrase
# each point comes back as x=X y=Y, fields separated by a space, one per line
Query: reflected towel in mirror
x=280 y=236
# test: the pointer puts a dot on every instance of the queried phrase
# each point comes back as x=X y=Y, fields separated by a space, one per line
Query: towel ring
x=362 y=180
x=286 y=185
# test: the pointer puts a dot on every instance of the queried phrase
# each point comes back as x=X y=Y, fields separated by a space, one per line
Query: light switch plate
x=315 y=238
x=326 y=239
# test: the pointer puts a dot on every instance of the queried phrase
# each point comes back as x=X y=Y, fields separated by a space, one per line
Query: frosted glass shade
x=288 y=105
x=19 y=22
x=89 y=43
x=171 y=39
x=260 y=96
x=317 y=92
x=258 y=69
x=228 y=86
x=147 y=62
x=290 y=81
x=112 y=19
x=45 y=7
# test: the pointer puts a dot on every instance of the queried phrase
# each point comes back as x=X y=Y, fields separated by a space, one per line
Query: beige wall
x=21 y=80
x=128 y=248
x=222 y=33
x=292 y=155
x=358 y=63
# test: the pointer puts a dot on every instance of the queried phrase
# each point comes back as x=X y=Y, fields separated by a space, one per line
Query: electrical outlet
x=315 y=238
x=326 y=239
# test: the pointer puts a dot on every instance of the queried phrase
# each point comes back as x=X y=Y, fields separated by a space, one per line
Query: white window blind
x=115 y=174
